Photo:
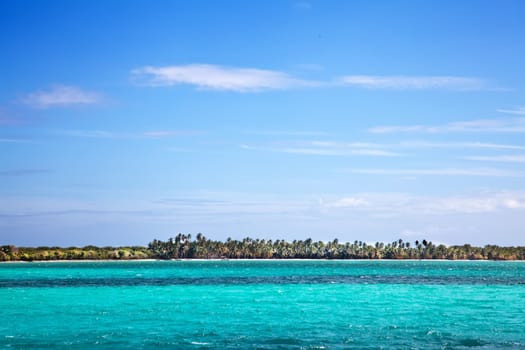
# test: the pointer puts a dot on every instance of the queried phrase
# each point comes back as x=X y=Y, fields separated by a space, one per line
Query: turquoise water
x=263 y=305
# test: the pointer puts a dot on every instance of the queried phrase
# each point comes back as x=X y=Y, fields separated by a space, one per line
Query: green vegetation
x=12 y=253
x=184 y=247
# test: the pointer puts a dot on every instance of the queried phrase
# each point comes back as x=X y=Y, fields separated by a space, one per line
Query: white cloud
x=486 y=172
x=240 y=79
x=213 y=77
x=398 y=203
x=513 y=203
x=327 y=149
x=95 y=134
x=480 y=125
x=319 y=147
x=346 y=202
x=519 y=111
x=171 y=133
x=379 y=148
x=477 y=204
x=335 y=144
x=400 y=128
x=60 y=96
x=104 y=134
x=467 y=217
x=480 y=145
x=501 y=158
x=413 y=82
x=15 y=140
x=284 y=132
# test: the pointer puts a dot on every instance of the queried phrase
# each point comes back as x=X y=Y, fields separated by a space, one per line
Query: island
x=184 y=246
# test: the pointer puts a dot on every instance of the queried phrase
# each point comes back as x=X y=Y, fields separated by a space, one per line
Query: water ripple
x=254 y=280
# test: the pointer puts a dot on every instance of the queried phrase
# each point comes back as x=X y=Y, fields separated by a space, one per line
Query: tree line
x=185 y=246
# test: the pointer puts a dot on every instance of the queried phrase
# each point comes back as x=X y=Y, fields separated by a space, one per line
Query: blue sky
x=121 y=122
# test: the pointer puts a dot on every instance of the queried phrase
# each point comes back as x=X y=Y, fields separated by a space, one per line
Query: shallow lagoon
x=263 y=304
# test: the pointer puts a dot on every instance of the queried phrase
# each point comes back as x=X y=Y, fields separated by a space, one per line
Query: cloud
x=373 y=149
x=519 y=111
x=284 y=132
x=399 y=128
x=61 y=96
x=500 y=158
x=351 y=145
x=480 y=125
x=95 y=134
x=104 y=134
x=171 y=133
x=73 y=212
x=345 y=202
x=471 y=217
x=488 y=172
x=240 y=79
x=319 y=148
x=477 y=204
x=398 y=203
x=401 y=82
x=337 y=152
x=15 y=140
x=480 y=145
x=23 y=172
x=213 y=77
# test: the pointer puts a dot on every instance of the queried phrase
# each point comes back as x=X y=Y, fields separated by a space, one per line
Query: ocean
x=263 y=304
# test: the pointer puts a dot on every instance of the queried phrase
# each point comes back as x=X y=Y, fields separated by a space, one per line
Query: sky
x=127 y=121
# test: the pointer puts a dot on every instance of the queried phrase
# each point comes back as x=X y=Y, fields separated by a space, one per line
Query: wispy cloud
x=345 y=202
x=396 y=203
x=477 y=204
x=326 y=149
x=15 y=140
x=479 y=145
x=95 y=134
x=73 y=212
x=351 y=145
x=61 y=96
x=299 y=133
x=213 y=77
x=400 y=82
x=104 y=134
x=480 y=125
x=318 y=147
x=501 y=158
x=23 y=172
x=444 y=218
x=241 y=79
x=171 y=133
x=519 y=111
x=389 y=147
x=485 y=172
